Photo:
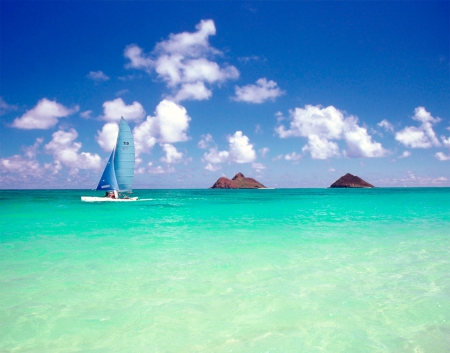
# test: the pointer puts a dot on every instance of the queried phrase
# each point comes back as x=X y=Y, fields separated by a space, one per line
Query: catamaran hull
x=105 y=199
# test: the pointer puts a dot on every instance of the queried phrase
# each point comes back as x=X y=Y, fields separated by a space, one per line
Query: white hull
x=105 y=199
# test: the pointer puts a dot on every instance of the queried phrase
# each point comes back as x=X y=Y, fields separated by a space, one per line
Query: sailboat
x=119 y=171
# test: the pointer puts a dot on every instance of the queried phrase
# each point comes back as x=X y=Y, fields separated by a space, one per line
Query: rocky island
x=350 y=181
x=239 y=181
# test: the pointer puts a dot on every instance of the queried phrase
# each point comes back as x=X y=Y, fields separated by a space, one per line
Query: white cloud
x=184 y=62
x=19 y=164
x=115 y=109
x=192 y=91
x=86 y=114
x=31 y=151
x=445 y=141
x=137 y=58
x=405 y=154
x=213 y=167
x=172 y=155
x=386 y=125
x=442 y=157
x=292 y=156
x=205 y=141
x=321 y=148
x=145 y=136
x=65 y=151
x=413 y=137
x=155 y=169
x=422 y=136
x=108 y=136
x=263 y=151
x=169 y=125
x=214 y=156
x=44 y=115
x=328 y=123
x=258 y=166
x=412 y=180
x=241 y=151
x=320 y=125
x=277 y=158
x=5 y=107
x=122 y=92
x=360 y=144
x=97 y=76
x=246 y=59
x=259 y=93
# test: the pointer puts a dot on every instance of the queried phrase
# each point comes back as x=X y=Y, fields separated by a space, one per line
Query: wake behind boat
x=117 y=178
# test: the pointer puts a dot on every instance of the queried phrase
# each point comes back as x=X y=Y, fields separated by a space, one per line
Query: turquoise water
x=288 y=270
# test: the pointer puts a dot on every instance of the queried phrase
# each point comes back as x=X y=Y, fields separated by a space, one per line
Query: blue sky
x=294 y=94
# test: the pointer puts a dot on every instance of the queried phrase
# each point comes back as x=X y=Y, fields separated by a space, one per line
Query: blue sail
x=108 y=180
x=124 y=157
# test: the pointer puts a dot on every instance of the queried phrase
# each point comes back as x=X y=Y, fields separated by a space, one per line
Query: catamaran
x=118 y=175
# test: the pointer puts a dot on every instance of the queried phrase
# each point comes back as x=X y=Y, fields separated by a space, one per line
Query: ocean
x=284 y=270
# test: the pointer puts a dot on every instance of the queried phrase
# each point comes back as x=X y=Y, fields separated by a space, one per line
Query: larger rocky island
x=239 y=181
x=350 y=181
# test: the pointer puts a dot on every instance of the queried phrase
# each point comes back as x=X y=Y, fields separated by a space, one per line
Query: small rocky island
x=239 y=181
x=350 y=181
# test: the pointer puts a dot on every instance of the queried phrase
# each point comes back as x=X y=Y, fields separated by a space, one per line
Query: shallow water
x=287 y=270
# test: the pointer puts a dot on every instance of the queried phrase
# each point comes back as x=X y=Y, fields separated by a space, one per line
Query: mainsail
x=119 y=170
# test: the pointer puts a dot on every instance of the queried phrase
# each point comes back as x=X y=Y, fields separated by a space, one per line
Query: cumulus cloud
x=215 y=156
x=260 y=92
x=263 y=151
x=184 y=62
x=422 y=136
x=411 y=179
x=442 y=157
x=86 y=114
x=320 y=125
x=44 y=115
x=405 y=154
x=26 y=165
x=360 y=144
x=445 y=141
x=386 y=125
x=205 y=141
x=213 y=167
x=97 y=76
x=31 y=151
x=19 y=164
x=241 y=151
x=321 y=148
x=292 y=156
x=169 y=125
x=172 y=155
x=115 y=109
x=65 y=151
x=108 y=136
x=258 y=166
x=192 y=91
x=5 y=107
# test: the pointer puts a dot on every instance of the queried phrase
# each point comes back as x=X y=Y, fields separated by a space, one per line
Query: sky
x=292 y=93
